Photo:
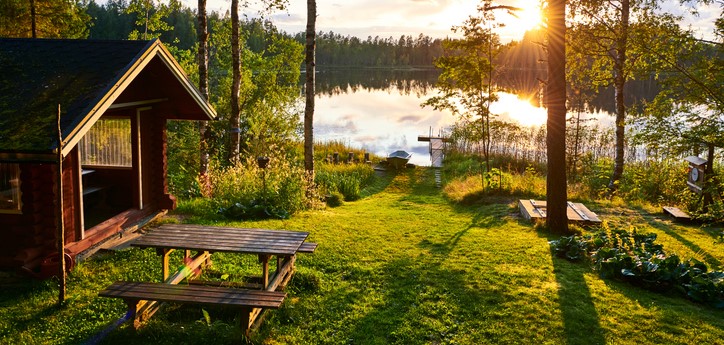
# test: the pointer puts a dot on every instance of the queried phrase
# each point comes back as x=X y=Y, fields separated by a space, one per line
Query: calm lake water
x=379 y=110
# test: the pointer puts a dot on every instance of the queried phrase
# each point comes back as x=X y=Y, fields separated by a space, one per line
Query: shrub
x=655 y=181
x=638 y=259
x=247 y=191
x=335 y=199
x=347 y=179
x=349 y=186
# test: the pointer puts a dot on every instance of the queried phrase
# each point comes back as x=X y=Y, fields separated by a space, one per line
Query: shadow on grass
x=19 y=295
x=381 y=181
x=420 y=300
x=581 y=323
x=710 y=259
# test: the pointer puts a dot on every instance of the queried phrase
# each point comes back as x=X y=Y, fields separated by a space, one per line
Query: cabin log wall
x=26 y=238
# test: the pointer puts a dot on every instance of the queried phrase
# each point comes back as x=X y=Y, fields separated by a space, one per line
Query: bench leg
x=246 y=320
x=132 y=314
x=264 y=259
x=208 y=262
x=165 y=254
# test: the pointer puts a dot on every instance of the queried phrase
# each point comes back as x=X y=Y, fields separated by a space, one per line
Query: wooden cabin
x=114 y=99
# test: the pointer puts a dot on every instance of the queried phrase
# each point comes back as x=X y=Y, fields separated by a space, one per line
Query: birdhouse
x=695 y=178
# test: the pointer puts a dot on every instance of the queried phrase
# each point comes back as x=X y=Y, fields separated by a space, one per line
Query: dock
x=437 y=148
x=437 y=153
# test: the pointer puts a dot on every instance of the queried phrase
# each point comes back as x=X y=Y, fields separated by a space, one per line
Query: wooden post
x=335 y=157
x=265 y=270
x=165 y=255
x=707 y=183
x=60 y=226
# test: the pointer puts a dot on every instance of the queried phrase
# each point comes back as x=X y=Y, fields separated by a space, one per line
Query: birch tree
x=235 y=116
x=203 y=60
x=310 y=87
x=467 y=72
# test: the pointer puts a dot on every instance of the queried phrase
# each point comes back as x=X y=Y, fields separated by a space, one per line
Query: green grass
x=402 y=265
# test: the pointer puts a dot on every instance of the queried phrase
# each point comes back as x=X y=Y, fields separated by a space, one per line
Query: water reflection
x=379 y=110
x=403 y=81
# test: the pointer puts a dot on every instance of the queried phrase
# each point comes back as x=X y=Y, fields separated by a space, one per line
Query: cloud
x=409 y=118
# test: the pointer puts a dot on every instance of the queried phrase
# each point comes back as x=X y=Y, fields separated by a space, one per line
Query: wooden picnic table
x=206 y=240
x=209 y=239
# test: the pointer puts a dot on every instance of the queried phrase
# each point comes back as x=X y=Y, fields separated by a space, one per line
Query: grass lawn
x=400 y=266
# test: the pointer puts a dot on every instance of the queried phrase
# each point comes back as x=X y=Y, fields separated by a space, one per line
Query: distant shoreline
x=390 y=68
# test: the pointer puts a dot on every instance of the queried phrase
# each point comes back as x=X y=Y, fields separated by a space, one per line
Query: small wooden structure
x=577 y=213
x=115 y=98
x=677 y=214
x=695 y=177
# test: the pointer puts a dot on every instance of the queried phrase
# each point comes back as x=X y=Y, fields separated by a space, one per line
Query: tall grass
x=347 y=179
x=324 y=151
x=653 y=182
x=244 y=190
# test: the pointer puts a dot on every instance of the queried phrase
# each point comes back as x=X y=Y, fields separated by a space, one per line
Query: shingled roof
x=83 y=77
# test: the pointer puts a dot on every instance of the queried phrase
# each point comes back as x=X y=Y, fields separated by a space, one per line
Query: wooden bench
x=247 y=300
x=307 y=247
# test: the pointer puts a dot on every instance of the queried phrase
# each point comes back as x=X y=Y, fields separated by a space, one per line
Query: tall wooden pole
x=61 y=231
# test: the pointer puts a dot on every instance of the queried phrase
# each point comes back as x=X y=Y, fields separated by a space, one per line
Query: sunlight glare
x=529 y=18
x=512 y=108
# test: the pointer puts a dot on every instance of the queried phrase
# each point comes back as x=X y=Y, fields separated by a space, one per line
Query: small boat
x=398 y=159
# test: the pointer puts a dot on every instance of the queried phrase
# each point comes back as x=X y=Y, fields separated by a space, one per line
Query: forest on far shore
x=114 y=20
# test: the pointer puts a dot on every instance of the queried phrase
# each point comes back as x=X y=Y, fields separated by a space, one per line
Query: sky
x=434 y=18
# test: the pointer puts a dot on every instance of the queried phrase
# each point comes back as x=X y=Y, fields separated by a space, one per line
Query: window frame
x=19 y=209
x=81 y=157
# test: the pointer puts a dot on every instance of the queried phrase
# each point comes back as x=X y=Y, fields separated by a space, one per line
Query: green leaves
x=639 y=260
x=466 y=86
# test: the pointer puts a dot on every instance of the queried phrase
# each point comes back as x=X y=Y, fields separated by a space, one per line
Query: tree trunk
x=203 y=59
x=310 y=87
x=619 y=84
x=709 y=175
x=32 y=19
x=234 y=117
x=556 y=192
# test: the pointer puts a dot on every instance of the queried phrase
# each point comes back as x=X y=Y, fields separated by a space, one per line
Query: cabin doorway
x=108 y=170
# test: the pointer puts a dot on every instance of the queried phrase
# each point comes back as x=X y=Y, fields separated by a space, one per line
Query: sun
x=530 y=17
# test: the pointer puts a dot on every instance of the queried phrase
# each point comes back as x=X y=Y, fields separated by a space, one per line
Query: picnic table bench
x=133 y=292
x=143 y=298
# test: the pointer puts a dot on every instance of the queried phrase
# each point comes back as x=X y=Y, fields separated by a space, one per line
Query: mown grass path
x=404 y=266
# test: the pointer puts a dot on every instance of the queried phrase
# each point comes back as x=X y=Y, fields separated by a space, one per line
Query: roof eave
x=153 y=49
x=181 y=76
x=108 y=96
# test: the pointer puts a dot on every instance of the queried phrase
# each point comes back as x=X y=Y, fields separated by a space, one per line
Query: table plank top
x=223 y=239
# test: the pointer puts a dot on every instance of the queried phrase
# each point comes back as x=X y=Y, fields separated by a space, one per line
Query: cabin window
x=9 y=188
x=107 y=144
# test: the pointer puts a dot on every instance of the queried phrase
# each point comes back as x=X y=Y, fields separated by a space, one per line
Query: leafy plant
x=256 y=209
x=335 y=199
x=638 y=259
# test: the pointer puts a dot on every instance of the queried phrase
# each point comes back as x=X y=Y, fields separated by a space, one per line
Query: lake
x=379 y=110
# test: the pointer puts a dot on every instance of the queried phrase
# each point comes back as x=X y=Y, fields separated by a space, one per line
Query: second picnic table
x=206 y=240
